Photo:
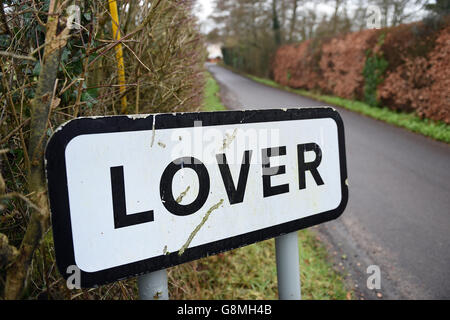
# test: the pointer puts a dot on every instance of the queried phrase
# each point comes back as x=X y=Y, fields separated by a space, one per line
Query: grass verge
x=211 y=101
x=433 y=129
x=250 y=272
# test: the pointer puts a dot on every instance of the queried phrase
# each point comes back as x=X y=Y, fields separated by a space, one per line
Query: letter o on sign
x=165 y=187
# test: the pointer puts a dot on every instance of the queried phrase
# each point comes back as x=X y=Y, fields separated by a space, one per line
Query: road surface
x=398 y=214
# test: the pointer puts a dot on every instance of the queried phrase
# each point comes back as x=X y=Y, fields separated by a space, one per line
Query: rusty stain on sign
x=197 y=228
x=161 y=144
x=228 y=140
x=181 y=196
x=153 y=132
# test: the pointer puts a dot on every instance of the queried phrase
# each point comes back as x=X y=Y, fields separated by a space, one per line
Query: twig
x=6 y=138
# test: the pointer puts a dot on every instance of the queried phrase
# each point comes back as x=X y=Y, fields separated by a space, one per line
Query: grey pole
x=288 y=268
x=153 y=286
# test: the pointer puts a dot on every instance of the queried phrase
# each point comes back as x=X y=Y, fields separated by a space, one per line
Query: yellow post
x=119 y=52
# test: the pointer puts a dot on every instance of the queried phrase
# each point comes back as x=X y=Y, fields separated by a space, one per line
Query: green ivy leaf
x=65 y=55
x=90 y=101
x=37 y=69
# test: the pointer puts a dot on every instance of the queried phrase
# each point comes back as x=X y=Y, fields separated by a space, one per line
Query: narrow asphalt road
x=398 y=214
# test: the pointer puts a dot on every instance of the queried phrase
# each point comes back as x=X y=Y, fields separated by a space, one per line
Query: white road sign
x=130 y=195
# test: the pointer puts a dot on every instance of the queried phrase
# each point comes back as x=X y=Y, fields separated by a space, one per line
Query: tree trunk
x=40 y=217
x=293 y=20
x=276 y=24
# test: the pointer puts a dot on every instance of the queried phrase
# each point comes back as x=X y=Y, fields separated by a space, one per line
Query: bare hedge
x=77 y=73
x=405 y=68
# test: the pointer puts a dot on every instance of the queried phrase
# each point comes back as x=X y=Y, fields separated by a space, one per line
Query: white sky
x=202 y=10
x=205 y=7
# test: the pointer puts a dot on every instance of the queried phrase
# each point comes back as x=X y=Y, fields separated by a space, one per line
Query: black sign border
x=59 y=201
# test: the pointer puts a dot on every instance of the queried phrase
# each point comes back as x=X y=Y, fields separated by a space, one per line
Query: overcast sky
x=205 y=7
x=202 y=10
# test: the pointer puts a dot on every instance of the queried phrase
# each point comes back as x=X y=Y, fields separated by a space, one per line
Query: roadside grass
x=211 y=101
x=250 y=272
x=433 y=129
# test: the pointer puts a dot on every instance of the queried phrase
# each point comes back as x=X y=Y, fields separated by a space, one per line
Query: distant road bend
x=398 y=215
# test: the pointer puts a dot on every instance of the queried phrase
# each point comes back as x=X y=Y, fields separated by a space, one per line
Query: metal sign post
x=288 y=269
x=153 y=286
